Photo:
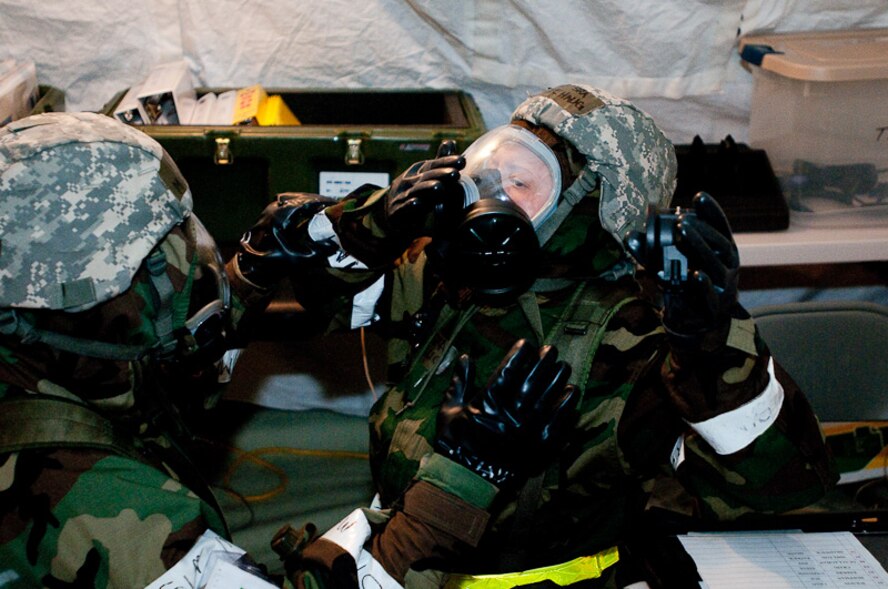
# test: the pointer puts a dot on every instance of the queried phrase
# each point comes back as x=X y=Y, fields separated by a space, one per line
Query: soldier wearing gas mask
x=115 y=326
x=541 y=401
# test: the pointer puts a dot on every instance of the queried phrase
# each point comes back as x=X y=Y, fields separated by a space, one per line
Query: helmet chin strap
x=11 y=323
x=582 y=186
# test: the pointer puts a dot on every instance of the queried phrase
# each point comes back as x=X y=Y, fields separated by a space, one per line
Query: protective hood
x=125 y=323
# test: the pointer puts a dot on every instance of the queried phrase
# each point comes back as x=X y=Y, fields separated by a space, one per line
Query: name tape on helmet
x=574 y=99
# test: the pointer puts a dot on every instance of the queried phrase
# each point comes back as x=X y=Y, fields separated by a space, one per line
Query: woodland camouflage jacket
x=632 y=448
x=115 y=511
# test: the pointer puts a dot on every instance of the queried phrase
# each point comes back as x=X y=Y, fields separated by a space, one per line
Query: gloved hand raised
x=426 y=195
x=278 y=243
x=418 y=203
x=702 y=297
x=511 y=428
x=285 y=243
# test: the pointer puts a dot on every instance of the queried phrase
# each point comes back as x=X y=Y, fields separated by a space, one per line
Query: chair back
x=836 y=351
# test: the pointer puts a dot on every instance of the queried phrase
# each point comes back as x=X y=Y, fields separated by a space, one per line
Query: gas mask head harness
x=87 y=204
x=519 y=191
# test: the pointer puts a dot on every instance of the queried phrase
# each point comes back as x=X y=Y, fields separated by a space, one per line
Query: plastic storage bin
x=346 y=138
x=820 y=111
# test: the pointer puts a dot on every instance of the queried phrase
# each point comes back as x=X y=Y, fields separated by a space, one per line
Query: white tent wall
x=677 y=59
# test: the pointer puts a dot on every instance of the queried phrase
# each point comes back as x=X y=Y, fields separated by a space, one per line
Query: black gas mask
x=511 y=184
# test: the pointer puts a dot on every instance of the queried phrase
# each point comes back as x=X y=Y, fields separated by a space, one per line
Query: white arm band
x=364 y=303
x=734 y=430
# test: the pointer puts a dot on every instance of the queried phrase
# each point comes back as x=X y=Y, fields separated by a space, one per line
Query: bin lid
x=824 y=56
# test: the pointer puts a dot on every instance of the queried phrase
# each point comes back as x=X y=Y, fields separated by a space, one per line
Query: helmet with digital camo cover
x=623 y=154
x=104 y=269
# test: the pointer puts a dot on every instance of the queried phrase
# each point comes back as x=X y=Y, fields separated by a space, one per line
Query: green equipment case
x=346 y=137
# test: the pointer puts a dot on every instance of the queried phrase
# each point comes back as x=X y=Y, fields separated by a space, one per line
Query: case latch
x=354 y=155
x=223 y=155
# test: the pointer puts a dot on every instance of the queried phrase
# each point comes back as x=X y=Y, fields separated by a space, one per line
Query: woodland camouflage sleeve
x=755 y=442
x=90 y=519
x=664 y=394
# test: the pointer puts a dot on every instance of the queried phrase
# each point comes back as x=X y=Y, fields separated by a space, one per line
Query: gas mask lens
x=511 y=163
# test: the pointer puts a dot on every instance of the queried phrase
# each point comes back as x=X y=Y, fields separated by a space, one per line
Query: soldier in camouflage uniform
x=114 y=308
x=498 y=464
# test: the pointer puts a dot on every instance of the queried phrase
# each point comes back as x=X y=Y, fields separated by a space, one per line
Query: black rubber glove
x=512 y=428
x=427 y=195
x=278 y=243
x=423 y=200
x=706 y=299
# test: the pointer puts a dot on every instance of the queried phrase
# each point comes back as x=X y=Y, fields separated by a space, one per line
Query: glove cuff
x=706 y=340
x=457 y=479
x=246 y=290
x=732 y=331
x=493 y=473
